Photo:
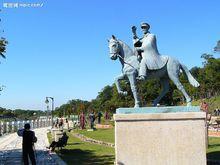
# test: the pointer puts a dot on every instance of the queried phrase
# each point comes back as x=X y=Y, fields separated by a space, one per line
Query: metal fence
x=14 y=126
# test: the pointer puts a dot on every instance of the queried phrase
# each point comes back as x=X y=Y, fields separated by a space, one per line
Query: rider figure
x=146 y=48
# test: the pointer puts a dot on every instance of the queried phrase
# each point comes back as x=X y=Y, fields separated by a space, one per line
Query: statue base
x=162 y=135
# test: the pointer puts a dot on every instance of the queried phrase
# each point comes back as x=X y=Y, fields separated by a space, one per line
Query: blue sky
x=60 y=49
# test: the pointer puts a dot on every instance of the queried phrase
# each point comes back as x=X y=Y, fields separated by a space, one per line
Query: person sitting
x=61 y=142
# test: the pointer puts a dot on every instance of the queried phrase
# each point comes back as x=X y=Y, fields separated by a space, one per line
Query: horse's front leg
x=117 y=83
x=133 y=84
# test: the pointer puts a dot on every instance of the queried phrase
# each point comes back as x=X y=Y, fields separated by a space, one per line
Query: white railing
x=14 y=126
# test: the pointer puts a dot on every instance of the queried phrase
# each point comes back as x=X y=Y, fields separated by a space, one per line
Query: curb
x=90 y=140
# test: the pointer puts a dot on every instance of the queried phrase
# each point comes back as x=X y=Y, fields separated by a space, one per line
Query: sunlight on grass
x=106 y=135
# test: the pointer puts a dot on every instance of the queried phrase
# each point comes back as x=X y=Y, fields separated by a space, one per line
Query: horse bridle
x=119 y=56
x=117 y=51
x=125 y=61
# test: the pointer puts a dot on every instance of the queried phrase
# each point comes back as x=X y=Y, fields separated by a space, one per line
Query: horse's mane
x=125 y=46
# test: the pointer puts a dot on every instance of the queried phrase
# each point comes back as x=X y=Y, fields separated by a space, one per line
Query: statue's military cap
x=145 y=25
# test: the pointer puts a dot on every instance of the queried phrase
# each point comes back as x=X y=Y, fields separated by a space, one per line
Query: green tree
x=211 y=74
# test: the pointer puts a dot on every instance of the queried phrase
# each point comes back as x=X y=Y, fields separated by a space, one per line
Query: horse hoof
x=125 y=93
x=141 y=78
x=136 y=106
x=189 y=104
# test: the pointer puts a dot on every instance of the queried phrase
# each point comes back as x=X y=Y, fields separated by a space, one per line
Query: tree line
x=20 y=114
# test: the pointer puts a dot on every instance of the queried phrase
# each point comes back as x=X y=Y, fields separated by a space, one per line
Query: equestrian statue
x=145 y=62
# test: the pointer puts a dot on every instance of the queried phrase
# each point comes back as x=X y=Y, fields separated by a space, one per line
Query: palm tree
x=3 y=43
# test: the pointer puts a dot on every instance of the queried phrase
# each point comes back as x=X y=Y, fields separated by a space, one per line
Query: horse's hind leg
x=181 y=88
x=165 y=85
x=173 y=68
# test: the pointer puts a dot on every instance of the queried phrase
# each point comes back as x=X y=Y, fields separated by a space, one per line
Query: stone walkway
x=214 y=133
x=11 y=152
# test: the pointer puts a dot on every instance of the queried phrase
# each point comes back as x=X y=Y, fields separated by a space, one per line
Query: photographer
x=29 y=139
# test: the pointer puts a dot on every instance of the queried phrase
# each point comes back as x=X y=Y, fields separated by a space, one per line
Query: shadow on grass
x=73 y=143
x=214 y=145
x=213 y=158
x=85 y=157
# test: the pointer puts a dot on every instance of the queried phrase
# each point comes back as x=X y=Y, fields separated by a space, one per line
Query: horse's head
x=114 y=48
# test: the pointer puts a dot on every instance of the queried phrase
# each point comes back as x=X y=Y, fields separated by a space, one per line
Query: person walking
x=82 y=120
x=92 y=119
x=99 y=117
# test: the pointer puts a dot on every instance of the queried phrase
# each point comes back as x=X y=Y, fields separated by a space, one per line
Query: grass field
x=106 y=135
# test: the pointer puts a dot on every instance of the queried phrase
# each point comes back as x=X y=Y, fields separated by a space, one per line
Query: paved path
x=214 y=133
x=11 y=153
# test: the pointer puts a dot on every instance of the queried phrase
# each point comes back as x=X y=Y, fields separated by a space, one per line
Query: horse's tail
x=191 y=79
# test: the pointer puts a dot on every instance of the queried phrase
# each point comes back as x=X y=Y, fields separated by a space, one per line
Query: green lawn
x=106 y=135
x=83 y=153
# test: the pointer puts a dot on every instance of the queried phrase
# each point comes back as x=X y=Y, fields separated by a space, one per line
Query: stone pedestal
x=170 y=138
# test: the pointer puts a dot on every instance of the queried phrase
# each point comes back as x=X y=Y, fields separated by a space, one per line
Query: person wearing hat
x=146 y=48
